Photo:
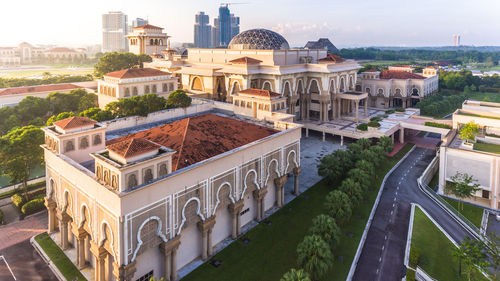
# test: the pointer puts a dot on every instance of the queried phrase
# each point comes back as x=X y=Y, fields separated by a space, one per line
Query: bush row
x=438 y=125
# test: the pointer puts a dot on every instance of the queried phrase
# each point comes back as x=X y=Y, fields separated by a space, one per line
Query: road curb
x=370 y=219
x=47 y=260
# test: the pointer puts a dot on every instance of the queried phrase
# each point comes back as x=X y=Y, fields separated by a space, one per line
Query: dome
x=258 y=39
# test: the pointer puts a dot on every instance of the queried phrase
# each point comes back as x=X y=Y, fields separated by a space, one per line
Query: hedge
x=373 y=124
x=390 y=111
x=362 y=127
x=400 y=109
x=17 y=200
x=33 y=206
x=438 y=125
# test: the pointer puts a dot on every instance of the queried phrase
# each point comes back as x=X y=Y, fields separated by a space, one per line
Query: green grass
x=58 y=70
x=487 y=147
x=478 y=115
x=473 y=213
x=272 y=248
x=435 y=249
x=57 y=256
x=393 y=62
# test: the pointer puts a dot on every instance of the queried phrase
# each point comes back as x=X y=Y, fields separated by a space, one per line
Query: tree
x=361 y=177
x=335 y=165
x=87 y=101
x=365 y=166
x=179 y=98
x=115 y=61
x=492 y=247
x=326 y=227
x=470 y=254
x=154 y=279
x=338 y=206
x=20 y=153
x=370 y=156
x=31 y=107
x=468 y=132
x=295 y=275
x=65 y=102
x=153 y=102
x=315 y=256
x=60 y=116
x=365 y=143
x=386 y=143
x=462 y=186
x=353 y=190
x=97 y=114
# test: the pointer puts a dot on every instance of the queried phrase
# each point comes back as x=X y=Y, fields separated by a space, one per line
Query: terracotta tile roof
x=133 y=147
x=136 y=72
x=245 y=60
x=61 y=50
x=198 y=138
x=147 y=26
x=74 y=122
x=394 y=74
x=260 y=93
x=38 y=89
x=371 y=70
x=331 y=58
x=401 y=65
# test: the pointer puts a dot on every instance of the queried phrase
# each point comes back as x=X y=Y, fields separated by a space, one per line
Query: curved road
x=382 y=256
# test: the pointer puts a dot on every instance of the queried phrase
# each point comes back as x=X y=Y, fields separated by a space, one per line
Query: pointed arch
x=183 y=215
x=331 y=89
x=294 y=159
x=300 y=87
x=104 y=225
x=276 y=170
x=85 y=217
x=267 y=86
x=217 y=202
x=313 y=87
x=158 y=233
x=235 y=88
x=342 y=85
x=287 y=92
x=254 y=173
x=197 y=84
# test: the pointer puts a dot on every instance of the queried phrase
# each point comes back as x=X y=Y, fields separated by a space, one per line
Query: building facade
x=147 y=39
x=138 y=202
x=202 y=31
x=134 y=82
x=398 y=86
x=114 y=30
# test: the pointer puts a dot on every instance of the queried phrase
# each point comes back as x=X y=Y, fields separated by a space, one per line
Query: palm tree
x=365 y=143
x=366 y=166
x=335 y=165
x=315 y=256
x=296 y=275
x=386 y=143
x=326 y=227
x=353 y=190
x=361 y=177
x=338 y=206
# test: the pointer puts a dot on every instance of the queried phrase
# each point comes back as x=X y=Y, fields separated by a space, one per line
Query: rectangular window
x=146 y=276
x=486 y=194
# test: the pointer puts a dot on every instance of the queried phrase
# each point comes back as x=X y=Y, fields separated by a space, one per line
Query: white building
x=114 y=30
x=147 y=39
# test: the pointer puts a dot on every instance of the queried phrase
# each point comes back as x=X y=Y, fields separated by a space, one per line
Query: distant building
x=456 y=40
x=227 y=26
x=65 y=55
x=216 y=34
x=322 y=43
x=202 y=31
x=135 y=23
x=147 y=39
x=114 y=30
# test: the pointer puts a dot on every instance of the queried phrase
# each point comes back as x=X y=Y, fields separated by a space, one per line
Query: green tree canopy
x=468 y=131
x=315 y=256
x=295 y=275
x=179 y=98
x=32 y=107
x=353 y=190
x=118 y=61
x=333 y=166
x=462 y=186
x=386 y=143
x=470 y=254
x=365 y=143
x=338 y=206
x=360 y=176
x=326 y=227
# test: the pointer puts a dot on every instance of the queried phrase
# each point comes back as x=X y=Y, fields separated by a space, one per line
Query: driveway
x=382 y=256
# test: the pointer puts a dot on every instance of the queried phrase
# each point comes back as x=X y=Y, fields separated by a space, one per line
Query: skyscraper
x=114 y=30
x=202 y=31
x=456 y=40
x=135 y=23
x=227 y=26
x=216 y=34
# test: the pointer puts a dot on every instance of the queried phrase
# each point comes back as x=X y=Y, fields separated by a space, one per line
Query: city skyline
x=402 y=25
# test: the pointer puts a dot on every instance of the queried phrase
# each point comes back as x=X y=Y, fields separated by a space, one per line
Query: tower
x=202 y=31
x=114 y=30
x=147 y=39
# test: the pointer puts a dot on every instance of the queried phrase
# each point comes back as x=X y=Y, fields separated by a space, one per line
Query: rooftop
x=331 y=58
x=200 y=137
x=61 y=50
x=245 y=60
x=133 y=147
x=38 y=89
x=147 y=26
x=394 y=74
x=260 y=93
x=74 y=122
x=136 y=73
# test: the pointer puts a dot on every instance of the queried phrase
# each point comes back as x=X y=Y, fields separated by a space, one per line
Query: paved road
x=382 y=256
x=17 y=251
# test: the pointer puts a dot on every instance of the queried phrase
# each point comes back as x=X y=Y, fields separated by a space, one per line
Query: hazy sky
x=345 y=22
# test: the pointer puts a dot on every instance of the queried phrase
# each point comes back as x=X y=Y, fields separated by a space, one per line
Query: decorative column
x=51 y=207
x=169 y=250
x=357 y=110
x=63 y=219
x=100 y=255
x=259 y=195
x=80 y=236
x=235 y=209
x=296 y=173
x=124 y=272
x=386 y=103
x=401 y=135
x=404 y=103
x=205 y=228
x=280 y=189
x=366 y=106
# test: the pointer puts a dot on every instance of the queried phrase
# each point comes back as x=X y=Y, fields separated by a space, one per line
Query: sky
x=347 y=23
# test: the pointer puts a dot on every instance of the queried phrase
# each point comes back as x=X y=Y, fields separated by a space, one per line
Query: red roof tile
x=394 y=74
x=245 y=60
x=401 y=65
x=371 y=70
x=147 y=26
x=38 y=89
x=136 y=72
x=198 y=138
x=133 y=147
x=74 y=122
x=260 y=93
x=331 y=58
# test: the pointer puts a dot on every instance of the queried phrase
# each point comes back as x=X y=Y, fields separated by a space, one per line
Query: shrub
x=410 y=274
x=438 y=125
x=376 y=118
x=414 y=256
x=390 y=111
x=33 y=206
x=493 y=135
x=400 y=109
x=373 y=124
x=17 y=200
x=362 y=127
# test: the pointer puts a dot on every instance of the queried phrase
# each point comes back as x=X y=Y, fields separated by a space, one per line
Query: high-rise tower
x=114 y=30
x=202 y=31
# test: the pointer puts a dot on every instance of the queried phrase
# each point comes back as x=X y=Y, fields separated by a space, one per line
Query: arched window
x=267 y=86
x=398 y=91
x=99 y=172
x=164 y=87
x=134 y=91
x=197 y=86
x=106 y=176
x=70 y=146
x=151 y=42
x=313 y=87
x=132 y=181
x=148 y=175
x=146 y=89
x=300 y=88
x=286 y=90
x=414 y=92
x=97 y=139
x=84 y=142
x=162 y=170
x=154 y=89
x=236 y=88
x=161 y=42
x=342 y=85
x=381 y=91
x=368 y=90
x=127 y=92
x=156 y=41
x=171 y=87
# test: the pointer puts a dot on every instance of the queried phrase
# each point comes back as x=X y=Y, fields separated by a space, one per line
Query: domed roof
x=258 y=39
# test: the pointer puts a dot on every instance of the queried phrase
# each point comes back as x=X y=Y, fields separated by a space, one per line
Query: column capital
x=297 y=170
x=280 y=181
x=259 y=193
x=171 y=245
x=207 y=224
x=235 y=208
x=50 y=203
x=98 y=251
x=124 y=272
x=79 y=232
x=62 y=216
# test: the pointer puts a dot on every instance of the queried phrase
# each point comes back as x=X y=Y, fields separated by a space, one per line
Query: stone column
x=386 y=103
x=205 y=228
x=235 y=209
x=401 y=135
x=259 y=195
x=63 y=219
x=404 y=102
x=169 y=250
x=366 y=106
x=100 y=255
x=80 y=236
x=51 y=207
x=357 y=110
x=124 y=272
x=280 y=184
x=296 y=173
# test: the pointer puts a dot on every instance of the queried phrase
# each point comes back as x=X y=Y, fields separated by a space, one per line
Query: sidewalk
x=20 y=231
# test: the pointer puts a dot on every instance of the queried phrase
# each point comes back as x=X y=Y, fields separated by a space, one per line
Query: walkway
x=382 y=256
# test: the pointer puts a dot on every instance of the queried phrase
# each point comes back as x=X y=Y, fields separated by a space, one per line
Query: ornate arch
x=183 y=215
x=84 y=207
x=300 y=87
x=217 y=202
x=158 y=233
x=286 y=86
x=199 y=87
x=254 y=172
x=105 y=224
x=233 y=87
x=269 y=172
x=51 y=188
x=67 y=202
x=317 y=85
x=331 y=86
x=342 y=84
x=288 y=159
x=267 y=83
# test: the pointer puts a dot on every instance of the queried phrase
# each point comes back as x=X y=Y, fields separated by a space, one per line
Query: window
x=146 y=276
x=164 y=87
x=162 y=170
x=170 y=87
x=132 y=181
x=146 y=89
x=114 y=181
x=134 y=91
x=69 y=146
x=148 y=175
x=237 y=102
x=96 y=139
x=127 y=92
x=486 y=194
x=113 y=90
x=154 y=89
x=151 y=42
x=106 y=176
x=84 y=142
x=249 y=105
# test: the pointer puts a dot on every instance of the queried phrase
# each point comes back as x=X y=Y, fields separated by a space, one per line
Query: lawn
x=473 y=213
x=392 y=62
x=272 y=248
x=487 y=147
x=57 y=256
x=56 y=70
x=435 y=249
